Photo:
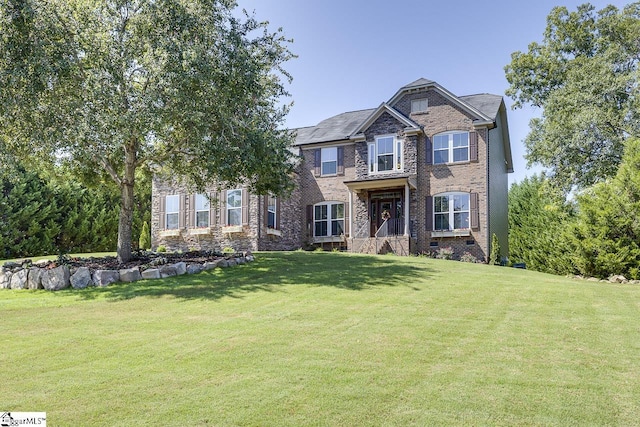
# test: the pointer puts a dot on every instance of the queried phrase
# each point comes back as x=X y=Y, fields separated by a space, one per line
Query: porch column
x=350 y=213
x=406 y=209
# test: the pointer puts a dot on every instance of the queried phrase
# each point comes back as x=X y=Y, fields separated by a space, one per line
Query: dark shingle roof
x=334 y=128
x=487 y=103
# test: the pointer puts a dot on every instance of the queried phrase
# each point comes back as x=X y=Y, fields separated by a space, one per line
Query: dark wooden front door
x=387 y=206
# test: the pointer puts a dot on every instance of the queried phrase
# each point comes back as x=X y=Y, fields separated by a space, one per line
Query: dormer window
x=419 y=105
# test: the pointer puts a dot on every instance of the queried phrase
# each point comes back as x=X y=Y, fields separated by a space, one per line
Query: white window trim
x=451 y=214
x=167 y=212
x=196 y=210
x=417 y=102
x=231 y=209
x=450 y=148
x=275 y=213
x=398 y=152
x=329 y=220
x=322 y=162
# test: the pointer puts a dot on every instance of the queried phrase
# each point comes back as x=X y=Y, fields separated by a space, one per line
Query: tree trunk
x=125 y=223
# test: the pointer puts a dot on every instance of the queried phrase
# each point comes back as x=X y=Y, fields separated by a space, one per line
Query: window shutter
x=182 y=211
x=429 y=150
x=163 y=213
x=428 y=216
x=310 y=220
x=346 y=220
x=191 y=211
x=212 y=211
x=278 y=214
x=223 y=208
x=474 y=211
x=473 y=146
x=265 y=211
x=245 y=207
x=317 y=162
x=340 y=160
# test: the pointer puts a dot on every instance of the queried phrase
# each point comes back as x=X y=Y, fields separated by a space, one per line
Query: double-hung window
x=385 y=155
x=172 y=206
x=234 y=207
x=329 y=160
x=451 y=147
x=328 y=219
x=272 y=211
x=451 y=211
x=202 y=211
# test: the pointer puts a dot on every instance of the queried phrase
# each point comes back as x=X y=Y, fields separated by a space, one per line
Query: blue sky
x=355 y=54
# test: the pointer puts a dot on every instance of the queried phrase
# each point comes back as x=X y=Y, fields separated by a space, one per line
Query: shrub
x=161 y=248
x=144 y=242
x=444 y=253
x=228 y=250
x=495 y=256
x=467 y=257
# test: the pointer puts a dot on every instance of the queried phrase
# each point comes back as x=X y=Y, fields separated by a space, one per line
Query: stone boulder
x=130 y=274
x=194 y=268
x=181 y=268
x=35 y=278
x=19 y=279
x=232 y=262
x=618 y=279
x=81 y=278
x=168 y=271
x=105 y=277
x=5 y=279
x=56 y=278
x=209 y=265
x=223 y=263
x=241 y=260
x=151 y=273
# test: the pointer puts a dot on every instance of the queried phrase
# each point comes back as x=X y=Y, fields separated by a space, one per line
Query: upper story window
x=172 y=212
x=234 y=207
x=328 y=219
x=451 y=147
x=451 y=211
x=202 y=210
x=272 y=211
x=329 y=160
x=385 y=155
x=419 y=105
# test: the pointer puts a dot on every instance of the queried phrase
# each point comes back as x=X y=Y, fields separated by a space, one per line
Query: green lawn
x=327 y=339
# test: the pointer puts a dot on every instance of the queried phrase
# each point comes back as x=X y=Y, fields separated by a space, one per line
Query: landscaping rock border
x=50 y=276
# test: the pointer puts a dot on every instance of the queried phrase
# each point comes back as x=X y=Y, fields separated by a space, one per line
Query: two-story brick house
x=422 y=171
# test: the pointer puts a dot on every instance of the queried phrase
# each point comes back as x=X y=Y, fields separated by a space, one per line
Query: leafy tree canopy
x=108 y=87
x=584 y=77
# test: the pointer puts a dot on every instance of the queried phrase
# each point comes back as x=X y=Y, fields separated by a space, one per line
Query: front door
x=387 y=206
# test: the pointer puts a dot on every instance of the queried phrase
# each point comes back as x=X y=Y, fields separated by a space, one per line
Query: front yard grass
x=327 y=339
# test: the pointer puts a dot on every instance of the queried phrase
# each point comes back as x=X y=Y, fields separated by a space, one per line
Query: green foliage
x=144 y=242
x=539 y=221
x=607 y=231
x=495 y=256
x=584 y=76
x=161 y=249
x=444 y=253
x=183 y=84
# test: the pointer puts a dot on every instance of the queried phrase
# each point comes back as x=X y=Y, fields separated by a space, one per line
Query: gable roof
x=488 y=103
x=410 y=125
x=347 y=126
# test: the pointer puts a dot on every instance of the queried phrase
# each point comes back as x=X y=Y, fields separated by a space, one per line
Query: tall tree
x=584 y=77
x=607 y=231
x=539 y=218
x=108 y=87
